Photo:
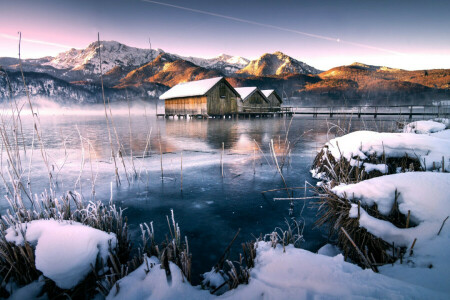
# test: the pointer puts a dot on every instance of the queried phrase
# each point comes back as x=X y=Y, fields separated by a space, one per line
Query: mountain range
x=74 y=75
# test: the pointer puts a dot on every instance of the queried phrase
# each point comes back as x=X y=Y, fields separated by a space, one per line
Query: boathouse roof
x=246 y=92
x=267 y=93
x=191 y=88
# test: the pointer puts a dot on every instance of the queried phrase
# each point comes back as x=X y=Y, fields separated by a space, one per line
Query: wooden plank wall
x=274 y=102
x=188 y=105
x=221 y=106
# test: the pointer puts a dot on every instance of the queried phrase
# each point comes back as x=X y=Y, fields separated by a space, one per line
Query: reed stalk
x=116 y=170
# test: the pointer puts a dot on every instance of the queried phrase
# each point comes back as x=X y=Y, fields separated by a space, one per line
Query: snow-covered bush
x=365 y=154
x=39 y=241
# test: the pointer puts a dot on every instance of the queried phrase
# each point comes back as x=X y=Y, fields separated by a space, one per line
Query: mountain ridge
x=149 y=73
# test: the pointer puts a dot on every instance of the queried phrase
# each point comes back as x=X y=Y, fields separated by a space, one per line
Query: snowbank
x=295 y=274
x=428 y=148
x=141 y=285
x=64 y=250
x=424 y=127
x=426 y=196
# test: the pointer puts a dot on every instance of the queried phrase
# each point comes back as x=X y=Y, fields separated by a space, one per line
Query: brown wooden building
x=252 y=100
x=210 y=97
x=274 y=99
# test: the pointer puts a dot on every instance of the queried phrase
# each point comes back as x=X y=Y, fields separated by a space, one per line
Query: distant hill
x=360 y=81
x=168 y=70
x=277 y=63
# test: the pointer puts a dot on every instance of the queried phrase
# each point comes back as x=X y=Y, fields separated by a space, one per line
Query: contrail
x=322 y=37
x=12 y=37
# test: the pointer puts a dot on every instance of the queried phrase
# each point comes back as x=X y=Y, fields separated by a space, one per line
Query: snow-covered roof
x=191 y=88
x=267 y=92
x=244 y=92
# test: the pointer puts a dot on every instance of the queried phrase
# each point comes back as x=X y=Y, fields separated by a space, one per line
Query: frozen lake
x=209 y=208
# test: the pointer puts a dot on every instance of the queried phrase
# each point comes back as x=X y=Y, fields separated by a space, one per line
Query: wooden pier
x=375 y=111
x=409 y=111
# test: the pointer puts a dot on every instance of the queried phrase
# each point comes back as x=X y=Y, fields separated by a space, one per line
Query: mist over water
x=209 y=208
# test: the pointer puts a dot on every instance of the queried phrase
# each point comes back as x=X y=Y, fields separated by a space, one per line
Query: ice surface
x=191 y=88
x=64 y=250
x=294 y=274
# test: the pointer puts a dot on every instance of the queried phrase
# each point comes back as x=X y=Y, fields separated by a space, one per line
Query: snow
x=444 y=134
x=30 y=291
x=64 y=250
x=244 y=92
x=213 y=279
x=329 y=250
x=428 y=148
x=293 y=274
x=267 y=93
x=190 y=89
x=425 y=195
x=368 y=167
x=424 y=127
x=277 y=63
x=113 y=54
x=154 y=284
x=236 y=61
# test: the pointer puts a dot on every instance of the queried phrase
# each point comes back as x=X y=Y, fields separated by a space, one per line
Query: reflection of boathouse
x=216 y=97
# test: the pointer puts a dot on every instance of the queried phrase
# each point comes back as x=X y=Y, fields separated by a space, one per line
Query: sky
x=400 y=34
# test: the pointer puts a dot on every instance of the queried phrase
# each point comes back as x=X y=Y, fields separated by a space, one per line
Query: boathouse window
x=222 y=91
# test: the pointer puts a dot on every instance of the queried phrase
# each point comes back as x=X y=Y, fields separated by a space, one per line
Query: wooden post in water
x=221 y=157
x=181 y=177
x=160 y=153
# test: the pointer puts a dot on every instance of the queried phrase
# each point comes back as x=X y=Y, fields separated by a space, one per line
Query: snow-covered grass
x=279 y=273
x=424 y=127
x=62 y=238
x=351 y=157
x=363 y=144
x=64 y=250
x=422 y=195
x=397 y=218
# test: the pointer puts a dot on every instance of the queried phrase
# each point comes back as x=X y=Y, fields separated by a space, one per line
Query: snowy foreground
x=295 y=274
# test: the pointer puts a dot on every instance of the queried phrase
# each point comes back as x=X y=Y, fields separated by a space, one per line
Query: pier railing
x=261 y=109
x=399 y=110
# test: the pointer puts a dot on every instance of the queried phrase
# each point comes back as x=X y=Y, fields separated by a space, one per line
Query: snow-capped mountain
x=114 y=54
x=224 y=63
x=277 y=63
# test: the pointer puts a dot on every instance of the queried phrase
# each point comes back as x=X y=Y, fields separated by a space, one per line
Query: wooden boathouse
x=207 y=97
x=251 y=100
x=215 y=97
x=275 y=100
